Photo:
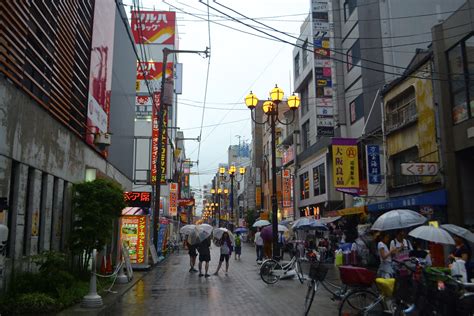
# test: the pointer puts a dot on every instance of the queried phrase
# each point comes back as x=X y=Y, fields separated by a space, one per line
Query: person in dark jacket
x=204 y=255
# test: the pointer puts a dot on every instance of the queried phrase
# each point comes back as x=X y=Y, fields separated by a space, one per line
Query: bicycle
x=353 y=279
x=271 y=270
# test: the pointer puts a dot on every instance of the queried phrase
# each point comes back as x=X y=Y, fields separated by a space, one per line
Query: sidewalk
x=170 y=289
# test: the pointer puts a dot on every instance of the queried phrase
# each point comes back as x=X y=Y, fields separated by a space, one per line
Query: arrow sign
x=420 y=169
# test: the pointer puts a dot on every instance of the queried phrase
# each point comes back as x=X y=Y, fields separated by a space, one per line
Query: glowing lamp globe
x=293 y=102
x=276 y=94
x=251 y=101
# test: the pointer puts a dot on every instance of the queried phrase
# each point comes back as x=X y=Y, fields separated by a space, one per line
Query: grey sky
x=239 y=63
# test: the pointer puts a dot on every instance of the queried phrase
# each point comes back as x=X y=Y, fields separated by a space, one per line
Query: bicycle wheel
x=312 y=287
x=269 y=271
x=361 y=302
x=299 y=271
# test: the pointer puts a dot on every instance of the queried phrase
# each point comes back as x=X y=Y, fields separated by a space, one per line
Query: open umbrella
x=219 y=232
x=186 y=229
x=434 y=234
x=317 y=225
x=261 y=223
x=397 y=219
x=303 y=222
x=240 y=230
x=286 y=222
x=459 y=231
x=327 y=220
x=199 y=233
x=267 y=232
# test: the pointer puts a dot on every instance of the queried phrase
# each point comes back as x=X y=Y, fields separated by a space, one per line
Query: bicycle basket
x=318 y=271
x=356 y=276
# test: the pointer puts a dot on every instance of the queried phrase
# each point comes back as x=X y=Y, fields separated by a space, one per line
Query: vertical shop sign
x=373 y=164
x=258 y=197
x=154 y=135
x=286 y=188
x=133 y=235
x=345 y=164
x=173 y=207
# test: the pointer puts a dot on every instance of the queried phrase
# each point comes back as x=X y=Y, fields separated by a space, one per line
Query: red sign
x=186 y=202
x=286 y=188
x=137 y=199
x=152 y=70
x=153 y=27
x=173 y=210
x=155 y=138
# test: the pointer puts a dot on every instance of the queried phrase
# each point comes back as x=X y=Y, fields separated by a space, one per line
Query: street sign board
x=420 y=169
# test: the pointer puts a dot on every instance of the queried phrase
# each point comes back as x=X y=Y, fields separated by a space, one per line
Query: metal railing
x=401 y=117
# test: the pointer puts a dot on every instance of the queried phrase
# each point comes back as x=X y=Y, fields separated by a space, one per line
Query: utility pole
x=161 y=111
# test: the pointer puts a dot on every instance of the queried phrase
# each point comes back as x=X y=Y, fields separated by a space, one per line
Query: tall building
x=66 y=97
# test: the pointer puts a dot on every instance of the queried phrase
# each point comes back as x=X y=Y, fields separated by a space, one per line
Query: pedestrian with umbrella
x=187 y=229
x=202 y=234
x=225 y=244
x=462 y=249
x=259 y=244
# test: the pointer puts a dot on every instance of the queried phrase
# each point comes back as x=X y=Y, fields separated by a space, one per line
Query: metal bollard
x=92 y=299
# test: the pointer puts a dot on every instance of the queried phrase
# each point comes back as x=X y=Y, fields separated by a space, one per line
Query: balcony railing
x=398 y=181
x=401 y=117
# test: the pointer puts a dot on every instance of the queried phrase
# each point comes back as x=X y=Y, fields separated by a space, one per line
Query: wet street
x=171 y=290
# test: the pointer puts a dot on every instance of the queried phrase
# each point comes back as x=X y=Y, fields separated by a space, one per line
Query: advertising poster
x=151 y=71
x=133 y=235
x=286 y=188
x=154 y=27
x=100 y=75
x=345 y=164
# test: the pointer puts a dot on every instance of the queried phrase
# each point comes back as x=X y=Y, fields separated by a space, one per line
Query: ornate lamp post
x=232 y=175
x=270 y=108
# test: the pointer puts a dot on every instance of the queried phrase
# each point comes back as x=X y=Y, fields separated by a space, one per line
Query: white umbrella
x=397 y=219
x=303 y=222
x=459 y=231
x=219 y=232
x=261 y=223
x=327 y=220
x=186 y=229
x=199 y=233
x=434 y=234
x=282 y=228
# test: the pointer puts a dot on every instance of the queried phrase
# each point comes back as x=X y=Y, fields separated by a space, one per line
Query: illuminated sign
x=133 y=232
x=286 y=188
x=137 y=199
x=153 y=27
x=173 y=206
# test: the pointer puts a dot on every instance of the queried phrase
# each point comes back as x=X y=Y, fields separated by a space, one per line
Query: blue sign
x=411 y=201
x=373 y=164
x=161 y=237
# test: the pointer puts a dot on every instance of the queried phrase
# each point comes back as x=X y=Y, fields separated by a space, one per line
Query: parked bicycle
x=352 y=278
x=272 y=270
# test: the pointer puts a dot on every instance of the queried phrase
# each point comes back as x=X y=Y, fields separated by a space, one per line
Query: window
x=304 y=186
x=304 y=101
x=402 y=110
x=399 y=180
x=319 y=180
x=461 y=70
x=305 y=135
x=353 y=56
x=297 y=65
x=349 y=7
x=305 y=53
x=356 y=108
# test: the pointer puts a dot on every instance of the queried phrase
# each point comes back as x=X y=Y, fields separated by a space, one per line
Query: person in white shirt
x=403 y=245
x=259 y=244
x=385 y=268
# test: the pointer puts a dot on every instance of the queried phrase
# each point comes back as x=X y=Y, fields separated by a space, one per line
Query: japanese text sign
x=286 y=188
x=137 y=199
x=373 y=164
x=345 y=163
x=173 y=210
x=133 y=234
x=153 y=27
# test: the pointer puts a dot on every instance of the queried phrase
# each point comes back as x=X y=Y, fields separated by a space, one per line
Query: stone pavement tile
x=172 y=290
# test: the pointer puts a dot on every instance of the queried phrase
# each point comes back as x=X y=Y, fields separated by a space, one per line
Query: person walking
x=192 y=256
x=226 y=250
x=403 y=245
x=238 y=246
x=259 y=244
x=204 y=255
x=385 y=268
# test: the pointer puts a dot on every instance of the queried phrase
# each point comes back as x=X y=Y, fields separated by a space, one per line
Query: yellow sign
x=345 y=163
x=258 y=197
x=352 y=211
x=137 y=85
x=434 y=224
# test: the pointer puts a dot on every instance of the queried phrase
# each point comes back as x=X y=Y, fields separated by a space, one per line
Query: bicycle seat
x=385 y=286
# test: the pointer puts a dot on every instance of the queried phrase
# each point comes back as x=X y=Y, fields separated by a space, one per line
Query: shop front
x=431 y=204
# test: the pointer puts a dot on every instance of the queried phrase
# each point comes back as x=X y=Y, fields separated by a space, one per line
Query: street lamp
x=232 y=175
x=270 y=108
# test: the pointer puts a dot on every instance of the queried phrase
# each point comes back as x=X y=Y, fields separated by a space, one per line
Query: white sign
x=328 y=92
x=320 y=26
x=325 y=121
x=324 y=110
x=96 y=114
x=319 y=6
x=420 y=169
x=323 y=102
x=322 y=63
x=141 y=100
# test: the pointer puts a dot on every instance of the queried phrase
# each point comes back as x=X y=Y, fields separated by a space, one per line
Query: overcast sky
x=239 y=63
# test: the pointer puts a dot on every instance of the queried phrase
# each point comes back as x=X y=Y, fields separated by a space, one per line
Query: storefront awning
x=352 y=210
x=431 y=198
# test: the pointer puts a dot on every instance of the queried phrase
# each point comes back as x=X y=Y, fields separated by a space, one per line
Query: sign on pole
x=420 y=169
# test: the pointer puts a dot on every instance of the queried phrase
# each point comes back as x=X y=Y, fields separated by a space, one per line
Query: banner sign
x=154 y=27
x=173 y=207
x=161 y=238
x=373 y=164
x=155 y=138
x=137 y=199
x=133 y=234
x=258 y=197
x=345 y=164
x=286 y=188
x=288 y=155
x=152 y=72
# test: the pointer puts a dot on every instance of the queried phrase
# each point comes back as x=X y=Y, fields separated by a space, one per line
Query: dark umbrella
x=267 y=232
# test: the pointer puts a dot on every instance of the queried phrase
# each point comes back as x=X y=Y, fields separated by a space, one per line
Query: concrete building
x=453 y=56
x=62 y=94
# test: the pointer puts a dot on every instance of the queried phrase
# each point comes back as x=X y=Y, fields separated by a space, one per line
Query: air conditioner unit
x=102 y=140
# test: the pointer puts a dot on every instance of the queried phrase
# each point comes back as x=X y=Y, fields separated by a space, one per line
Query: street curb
x=110 y=299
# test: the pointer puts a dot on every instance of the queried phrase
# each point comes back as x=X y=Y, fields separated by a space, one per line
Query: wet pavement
x=172 y=290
